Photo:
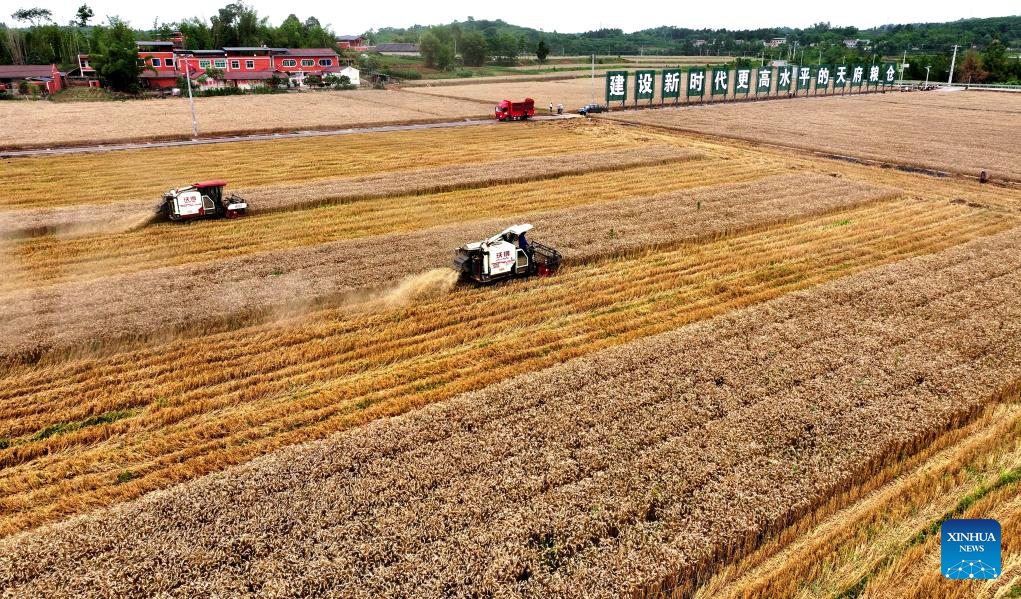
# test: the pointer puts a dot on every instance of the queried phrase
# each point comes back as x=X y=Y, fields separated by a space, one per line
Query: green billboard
x=785 y=79
x=696 y=82
x=671 y=83
x=764 y=80
x=857 y=75
x=889 y=74
x=616 y=86
x=742 y=81
x=645 y=87
x=823 y=76
x=721 y=82
x=804 y=77
x=841 y=76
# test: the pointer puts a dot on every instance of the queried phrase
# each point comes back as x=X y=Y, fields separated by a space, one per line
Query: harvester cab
x=201 y=200
x=507 y=254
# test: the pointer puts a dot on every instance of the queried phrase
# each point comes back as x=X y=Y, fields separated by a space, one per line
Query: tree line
x=40 y=40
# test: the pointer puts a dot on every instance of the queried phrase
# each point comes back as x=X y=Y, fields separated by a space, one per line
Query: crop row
x=628 y=471
x=195 y=405
x=81 y=220
x=130 y=176
x=114 y=308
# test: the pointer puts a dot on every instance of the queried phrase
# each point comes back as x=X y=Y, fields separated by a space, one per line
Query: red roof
x=309 y=52
x=213 y=183
x=22 y=71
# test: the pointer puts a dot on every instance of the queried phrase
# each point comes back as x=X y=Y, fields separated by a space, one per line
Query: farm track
x=275 y=385
x=557 y=483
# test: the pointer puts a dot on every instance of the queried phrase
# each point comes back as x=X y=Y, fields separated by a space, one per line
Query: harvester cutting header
x=504 y=255
x=201 y=200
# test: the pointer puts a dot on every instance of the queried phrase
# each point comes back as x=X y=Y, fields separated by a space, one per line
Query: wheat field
x=754 y=362
x=958 y=132
x=41 y=124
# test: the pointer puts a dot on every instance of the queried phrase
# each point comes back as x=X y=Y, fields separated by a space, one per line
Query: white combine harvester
x=504 y=255
x=201 y=200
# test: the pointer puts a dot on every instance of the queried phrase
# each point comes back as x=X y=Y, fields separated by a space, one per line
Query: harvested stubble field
x=41 y=124
x=631 y=470
x=334 y=312
x=957 y=132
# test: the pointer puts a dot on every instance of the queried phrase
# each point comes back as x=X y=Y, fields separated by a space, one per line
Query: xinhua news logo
x=970 y=549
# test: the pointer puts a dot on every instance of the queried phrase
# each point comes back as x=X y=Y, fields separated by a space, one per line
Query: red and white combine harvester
x=515 y=111
x=201 y=200
x=504 y=255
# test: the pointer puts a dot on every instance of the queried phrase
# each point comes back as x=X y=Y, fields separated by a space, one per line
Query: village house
x=400 y=49
x=45 y=78
x=165 y=63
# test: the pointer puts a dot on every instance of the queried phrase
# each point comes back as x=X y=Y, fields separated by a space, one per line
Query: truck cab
x=515 y=111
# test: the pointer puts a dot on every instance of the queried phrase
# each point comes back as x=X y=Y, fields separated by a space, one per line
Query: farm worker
x=560 y=109
x=522 y=242
x=551 y=107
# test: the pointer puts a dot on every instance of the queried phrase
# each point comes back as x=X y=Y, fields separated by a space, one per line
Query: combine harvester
x=505 y=255
x=515 y=111
x=201 y=200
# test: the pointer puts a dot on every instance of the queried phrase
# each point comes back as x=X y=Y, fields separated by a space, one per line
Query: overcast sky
x=563 y=16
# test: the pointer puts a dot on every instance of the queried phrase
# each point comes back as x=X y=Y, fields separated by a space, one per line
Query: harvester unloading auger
x=504 y=255
x=201 y=200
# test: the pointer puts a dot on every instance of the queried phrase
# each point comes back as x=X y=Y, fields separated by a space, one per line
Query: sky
x=565 y=17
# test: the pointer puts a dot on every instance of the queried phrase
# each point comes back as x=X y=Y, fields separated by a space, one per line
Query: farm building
x=401 y=49
x=165 y=62
x=46 y=77
x=352 y=42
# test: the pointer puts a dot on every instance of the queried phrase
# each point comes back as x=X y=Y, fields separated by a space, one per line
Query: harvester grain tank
x=201 y=200
x=515 y=111
x=505 y=255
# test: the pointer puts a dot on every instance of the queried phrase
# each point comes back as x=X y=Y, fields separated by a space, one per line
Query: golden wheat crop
x=109 y=309
x=143 y=175
x=83 y=220
x=624 y=472
x=963 y=132
x=191 y=406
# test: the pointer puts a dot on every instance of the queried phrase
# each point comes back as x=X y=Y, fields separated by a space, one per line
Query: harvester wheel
x=234 y=214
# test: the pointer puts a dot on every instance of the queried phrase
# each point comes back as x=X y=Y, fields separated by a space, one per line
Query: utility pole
x=953 y=61
x=820 y=56
x=594 y=80
x=927 y=75
x=902 y=63
x=191 y=100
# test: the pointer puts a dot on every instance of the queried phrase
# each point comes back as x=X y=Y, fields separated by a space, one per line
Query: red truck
x=515 y=111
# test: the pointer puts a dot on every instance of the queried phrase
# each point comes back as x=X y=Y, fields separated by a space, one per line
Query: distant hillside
x=887 y=39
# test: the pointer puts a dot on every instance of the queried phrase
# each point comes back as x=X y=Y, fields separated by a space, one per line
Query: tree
x=429 y=47
x=971 y=70
x=35 y=16
x=542 y=51
x=117 y=63
x=474 y=48
x=504 y=47
x=290 y=34
x=84 y=15
x=994 y=61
